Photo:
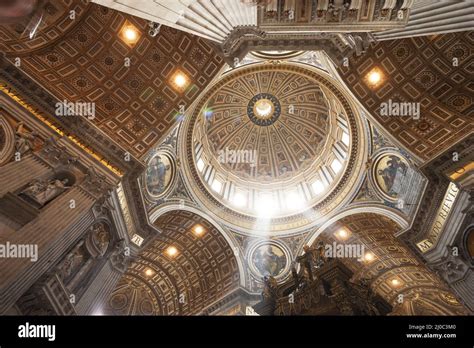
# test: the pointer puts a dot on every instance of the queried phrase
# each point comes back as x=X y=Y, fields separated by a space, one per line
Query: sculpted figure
x=70 y=264
x=306 y=260
x=42 y=192
x=25 y=141
x=34 y=188
x=269 y=287
x=312 y=258
x=101 y=238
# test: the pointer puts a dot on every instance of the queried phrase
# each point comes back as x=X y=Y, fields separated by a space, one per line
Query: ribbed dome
x=271 y=139
x=280 y=116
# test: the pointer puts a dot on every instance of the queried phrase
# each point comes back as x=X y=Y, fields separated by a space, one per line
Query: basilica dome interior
x=236 y=157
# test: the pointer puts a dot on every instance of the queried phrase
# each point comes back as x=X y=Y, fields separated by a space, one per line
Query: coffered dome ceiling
x=281 y=116
x=278 y=142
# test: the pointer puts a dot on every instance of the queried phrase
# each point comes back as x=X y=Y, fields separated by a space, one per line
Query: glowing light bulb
x=198 y=230
x=172 y=251
x=180 y=80
x=374 y=77
x=342 y=234
x=130 y=34
x=369 y=257
x=395 y=282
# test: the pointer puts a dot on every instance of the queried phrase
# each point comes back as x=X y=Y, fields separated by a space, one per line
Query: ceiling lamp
x=179 y=81
x=129 y=33
x=342 y=234
x=198 y=230
x=374 y=78
x=149 y=272
x=369 y=257
x=172 y=251
x=395 y=282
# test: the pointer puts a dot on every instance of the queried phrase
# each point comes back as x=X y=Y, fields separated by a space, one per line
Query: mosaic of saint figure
x=391 y=171
x=269 y=260
x=158 y=175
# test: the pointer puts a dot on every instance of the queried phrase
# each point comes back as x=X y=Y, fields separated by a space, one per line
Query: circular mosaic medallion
x=264 y=109
x=159 y=174
x=269 y=259
x=390 y=172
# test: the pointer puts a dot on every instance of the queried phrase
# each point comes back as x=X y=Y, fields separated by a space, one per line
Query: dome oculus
x=264 y=109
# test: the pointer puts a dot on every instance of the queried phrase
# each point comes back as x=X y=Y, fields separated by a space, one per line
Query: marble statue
x=71 y=263
x=42 y=192
x=25 y=141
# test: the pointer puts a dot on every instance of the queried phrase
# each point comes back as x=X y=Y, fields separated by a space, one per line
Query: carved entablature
x=56 y=155
x=332 y=15
x=237 y=36
x=337 y=45
x=439 y=198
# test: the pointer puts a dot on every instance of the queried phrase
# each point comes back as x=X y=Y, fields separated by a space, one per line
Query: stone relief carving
x=44 y=191
x=95 y=183
x=7 y=140
x=100 y=237
x=25 y=141
x=451 y=268
x=119 y=257
x=71 y=263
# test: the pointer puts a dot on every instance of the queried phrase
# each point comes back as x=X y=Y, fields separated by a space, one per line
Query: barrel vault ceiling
x=203 y=270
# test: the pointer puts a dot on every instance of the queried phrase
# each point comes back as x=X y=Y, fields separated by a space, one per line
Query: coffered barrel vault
x=186 y=268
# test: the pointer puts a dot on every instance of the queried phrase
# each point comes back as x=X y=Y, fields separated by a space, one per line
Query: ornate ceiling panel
x=432 y=70
x=393 y=269
x=87 y=62
x=202 y=270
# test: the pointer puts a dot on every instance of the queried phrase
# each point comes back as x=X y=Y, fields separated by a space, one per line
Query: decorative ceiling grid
x=420 y=69
x=136 y=104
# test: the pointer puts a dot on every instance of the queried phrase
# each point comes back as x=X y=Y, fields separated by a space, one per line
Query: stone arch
x=171 y=206
x=379 y=209
x=204 y=269
x=7 y=141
